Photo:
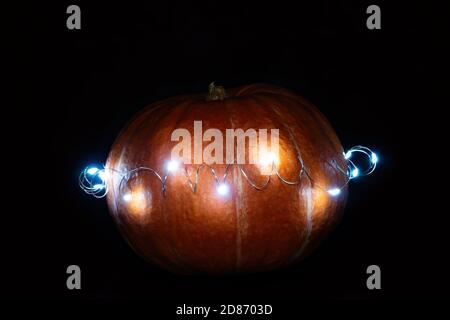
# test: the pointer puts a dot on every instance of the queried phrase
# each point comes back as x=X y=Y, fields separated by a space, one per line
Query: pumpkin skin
x=247 y=230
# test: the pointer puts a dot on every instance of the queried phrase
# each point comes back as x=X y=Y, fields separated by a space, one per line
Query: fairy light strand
x=353 y=170
x=94 y=181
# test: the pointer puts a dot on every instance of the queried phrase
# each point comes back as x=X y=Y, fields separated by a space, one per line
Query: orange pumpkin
x=247 y=229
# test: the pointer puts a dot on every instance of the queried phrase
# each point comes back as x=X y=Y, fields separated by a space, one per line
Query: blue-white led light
x=93 y=181
x=334 y=192
x=92 y=170
x=374 y=157
x=355 y=171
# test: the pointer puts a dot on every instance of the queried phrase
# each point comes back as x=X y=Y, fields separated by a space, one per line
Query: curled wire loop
x=93 y=181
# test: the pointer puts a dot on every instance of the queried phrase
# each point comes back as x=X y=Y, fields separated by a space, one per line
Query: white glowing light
x=91 y=180
x=92 y=171
x=374 y=157
x=172 y=166
x=103 y=175
x=127 y=197
x=268 y=158
x=358 y=171
x=222 y=189
x=334 y=191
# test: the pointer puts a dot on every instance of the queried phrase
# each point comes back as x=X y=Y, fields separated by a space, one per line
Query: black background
x=77 y=88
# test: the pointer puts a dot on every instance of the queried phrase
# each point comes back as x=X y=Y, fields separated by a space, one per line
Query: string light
x=371 y=156
x=94 y=181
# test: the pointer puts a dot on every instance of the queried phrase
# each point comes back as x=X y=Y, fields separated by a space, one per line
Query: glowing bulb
x=103 y=175
x=222 y=189
x=92 y=171
x=127 y=197
x=267 y=162
x=268 y=158
x=355 y=173
x=98 y=187
x=334 y=191
x=172 y=166
x=374 y=157
x=348 y=155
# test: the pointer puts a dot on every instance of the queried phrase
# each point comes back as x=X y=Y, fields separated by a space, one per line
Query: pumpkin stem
x=215 y=92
